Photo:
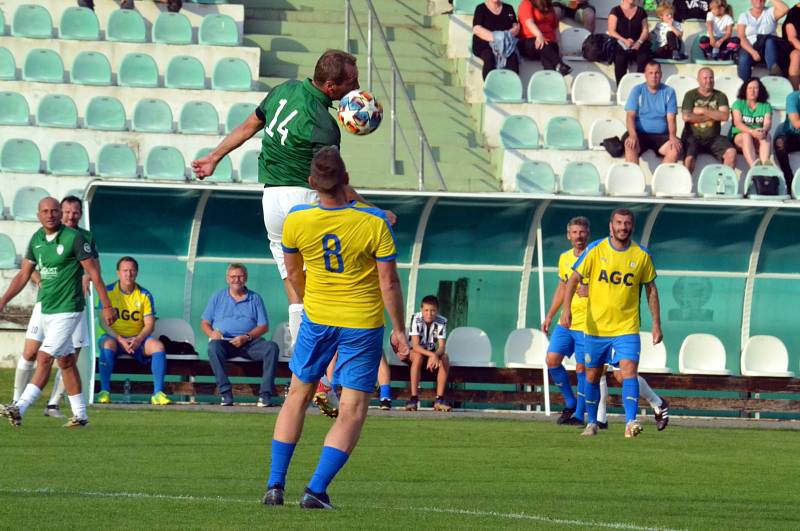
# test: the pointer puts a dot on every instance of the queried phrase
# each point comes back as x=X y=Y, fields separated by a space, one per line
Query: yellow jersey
x=132 y=308
x=615 y=283
x=341 y=248
x=565 y=263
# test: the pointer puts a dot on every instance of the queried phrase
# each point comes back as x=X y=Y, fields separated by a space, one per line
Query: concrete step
x=450 y=96
x=291 y=70
x=451 y=154
x=325 y=30
x=419 y=51
x=419 y=7
x=407 y=20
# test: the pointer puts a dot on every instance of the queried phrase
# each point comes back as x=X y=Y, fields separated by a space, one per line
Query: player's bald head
x=49 y=203
x=328 y=172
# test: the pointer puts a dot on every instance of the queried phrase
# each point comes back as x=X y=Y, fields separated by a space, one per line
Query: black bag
x=599 y=48
x=766 y=184
x=614 y=146
x=176 y=347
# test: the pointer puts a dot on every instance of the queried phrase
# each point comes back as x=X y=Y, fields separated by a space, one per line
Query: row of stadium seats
x=124 y=25
x=136 y=70
x=24 y=206
x=522 y=132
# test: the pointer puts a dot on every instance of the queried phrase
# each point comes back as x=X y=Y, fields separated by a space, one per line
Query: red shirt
x=546 y=22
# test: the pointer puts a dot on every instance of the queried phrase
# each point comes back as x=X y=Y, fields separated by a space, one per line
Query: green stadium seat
x=152 y=116
x=698 y=57
x=138 y=70
x=44 y=66
x=80 y=24
x=116 y=161
x=172 y=28
x=248 y=167
x=57 y=110
x=231 y=73
x=563 y=132
x=778 y=88
x=718 y=180
x=519 y=132
x=165 y=162
x=547 y=86
x=8 y=253
x=21 y=156
x=91 y=68
x=25 y=206
x=223 y=172
x=766 y=170
x=32 y=21
x=14 y=109
x=580 y=178
x=8 y=66
x=126 y=25
x=218 y=30
x=68 y=158
x=502 y=86
x=465 y=7
x=237 y=114
x=105 y=113
x=535 y=177
x=199 y=118
x=185 y=72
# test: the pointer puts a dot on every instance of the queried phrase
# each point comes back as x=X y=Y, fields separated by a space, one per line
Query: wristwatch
x=249 y=337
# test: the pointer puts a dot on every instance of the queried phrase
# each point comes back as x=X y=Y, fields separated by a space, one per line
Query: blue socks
x=386 y=391
x=592 y=399
x=330 y=462
x=630 y=397
x=281 y=457
x=560 y=377
x=158 y=366
x=580 y=409
x=106 y=368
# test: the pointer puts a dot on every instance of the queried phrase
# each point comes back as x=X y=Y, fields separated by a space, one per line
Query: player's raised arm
x=392 y=292
x=205 y=166
x=655 y=311
x=569 y=292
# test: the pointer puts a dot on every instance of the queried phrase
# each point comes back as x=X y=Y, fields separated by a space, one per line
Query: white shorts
x=35 y=331
x=58 y=329
x=277 y=202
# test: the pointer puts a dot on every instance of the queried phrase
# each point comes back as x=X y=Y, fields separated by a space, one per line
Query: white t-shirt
x=763 y=25
x=660 y=32
x=719 y=24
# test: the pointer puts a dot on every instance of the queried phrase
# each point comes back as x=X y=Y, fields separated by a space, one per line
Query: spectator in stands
x=719 y=42
x=650 y=118
x=627 y=23
x=756 y=32
x=173 y=6
x=131 y=333
x=788 y=137
x=667 y=34
x=494 y=36
x=234 y=321
x=690 y=9
x=791 y=33
x=752 y=121
x=539 y=28
x=703 y=110
x=578 y=10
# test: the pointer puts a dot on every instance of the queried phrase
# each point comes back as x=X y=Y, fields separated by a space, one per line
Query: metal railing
x=373 y=24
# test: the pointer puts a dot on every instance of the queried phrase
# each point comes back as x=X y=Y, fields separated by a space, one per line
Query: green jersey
x=298 y=124
x=753 y=118
x=59 y=263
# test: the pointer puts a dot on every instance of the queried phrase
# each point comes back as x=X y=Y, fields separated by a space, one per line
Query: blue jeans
x=219 y=351
x=768 y=47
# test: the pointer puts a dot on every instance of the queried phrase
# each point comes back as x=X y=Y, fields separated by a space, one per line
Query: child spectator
x=666 y=34
x=719 y=43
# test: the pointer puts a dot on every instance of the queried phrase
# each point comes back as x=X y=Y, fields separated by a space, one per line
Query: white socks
x=28 y=397
x=601 y=405
x=22 y=376
x=78 y=406
x=295 y=318
x=58 y=390
x=647 y=392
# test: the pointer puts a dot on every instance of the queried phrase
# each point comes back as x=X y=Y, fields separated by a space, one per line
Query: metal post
x=347 y=26
x=421 y=178
x=393 y=112
x=369 y=50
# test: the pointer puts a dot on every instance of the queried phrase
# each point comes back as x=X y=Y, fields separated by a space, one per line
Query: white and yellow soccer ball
x=359 y=112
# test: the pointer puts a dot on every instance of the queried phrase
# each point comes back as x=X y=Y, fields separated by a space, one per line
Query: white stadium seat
x=591 y=88
x=280 y=336
x=728 y=84
x=702 y=354
x=672 y=180
x=526 y=348
x=468 y=346
x=653 y=358
x=603 y=128
x=625 y=179
x=626 y=84
x=176 y=330
x=682 y=84
x=765 y=356
x=572 y=43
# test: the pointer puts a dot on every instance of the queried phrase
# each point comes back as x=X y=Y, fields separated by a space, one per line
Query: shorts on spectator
x=138 y=354
x=569 y=12
x=717 y=146
x=649 y=141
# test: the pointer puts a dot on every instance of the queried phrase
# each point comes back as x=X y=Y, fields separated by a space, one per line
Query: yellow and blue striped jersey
x=132 y=307
x=565 y=263
x=615 y=279
x=340 y=248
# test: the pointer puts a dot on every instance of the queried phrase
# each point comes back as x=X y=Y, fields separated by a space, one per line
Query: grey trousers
x=219 y=351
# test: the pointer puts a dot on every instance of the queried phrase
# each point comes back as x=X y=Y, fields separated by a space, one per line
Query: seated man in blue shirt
x=234 y=320
x=650 y=118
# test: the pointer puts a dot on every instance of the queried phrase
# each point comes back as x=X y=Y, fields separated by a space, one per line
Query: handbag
x=614 y=146
x=766 y=184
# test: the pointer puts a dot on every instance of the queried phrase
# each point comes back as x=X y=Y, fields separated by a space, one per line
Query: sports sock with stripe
x=22 y=376
x=630 y=398
x=602 y=404
x=648 y=394
x=580 y=407
x=106 y=368
x=560 y=377
x=158 y=366
x=331 y=460
x=386 y=391
x=592 y=398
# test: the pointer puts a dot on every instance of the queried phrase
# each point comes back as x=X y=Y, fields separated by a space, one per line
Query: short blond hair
x=664 y=8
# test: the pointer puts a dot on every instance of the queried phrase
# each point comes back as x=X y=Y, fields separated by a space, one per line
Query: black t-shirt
x=629 y=28
x=793 y=18
x=686 y=9
x=483 y=17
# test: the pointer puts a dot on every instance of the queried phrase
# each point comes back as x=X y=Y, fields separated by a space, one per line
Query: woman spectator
x=539 y=28
x=627 y=23
x=791 y=32
x=758 y=41
x=752 y=120
x=491 y=20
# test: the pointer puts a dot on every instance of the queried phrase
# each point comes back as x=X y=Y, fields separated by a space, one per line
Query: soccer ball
x=359 y=112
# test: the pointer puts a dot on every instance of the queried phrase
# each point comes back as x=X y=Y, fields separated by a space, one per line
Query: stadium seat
x=603 y=128
x=177 y=330
x=44 y=66
x=697 y=57
x=469 y=347
x=138 y=70
x=224 y=170
x=172 y=28
x=57 y=110
x=795 y=191
x=32 y=21
x=572 y=43
x=152 y=116
x=535 y=177
x=765 y=356
x=231 y=73
x=248 y=167
x=8 y=66
x=218 y=30
x=80 y=24
x=21 y=156
x=502 y=86
x=185 y=72
x=91 y=68
x=718 y=180
x=68 y=158
x=728 y=84
x=8 y=253
x=199 y=118
x=625 y=179
x=105 y=113
x=465 y=7
x=14 y=109
x=766 y=170
x=526 y=348
x=626 y=84
x=702 y=354
x=547 y=86
x=237 y=114
x=652 y=358
x=126 y=25
x=164 y=162
x=591 y=88
x=2 y=23
x=116 y=160
x=563 y=132
x=672 y=180
x=682 y=84
x=26 y=203
x=280 y=336
x=778 y=88
x=580 y=178
x=519 y=132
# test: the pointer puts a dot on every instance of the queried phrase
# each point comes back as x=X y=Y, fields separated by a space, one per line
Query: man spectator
x=173 y=6
x=234 y=320
x=788 y=138
x=651 y=110
x=703 y=109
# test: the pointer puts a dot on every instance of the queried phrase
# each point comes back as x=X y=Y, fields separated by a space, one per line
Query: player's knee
x=66 y=362
x=553 y=360
x=152 y=346
x=110 y=343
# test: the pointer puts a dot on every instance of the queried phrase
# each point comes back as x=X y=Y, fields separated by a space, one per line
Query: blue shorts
x=567 y=342
x=599 y=349
x=360 y=351
x=138 y=354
